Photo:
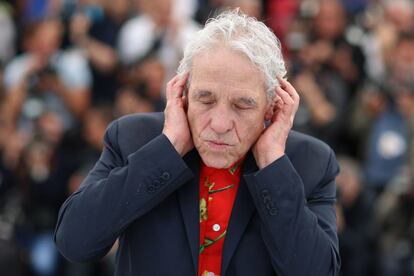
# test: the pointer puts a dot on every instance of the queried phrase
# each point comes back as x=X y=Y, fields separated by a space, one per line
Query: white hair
x=243 y=34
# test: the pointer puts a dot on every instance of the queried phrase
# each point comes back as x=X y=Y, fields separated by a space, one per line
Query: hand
x=322 y=112
x=272 y=142
x=36 y=63
x=52 y=83
x=176 y=125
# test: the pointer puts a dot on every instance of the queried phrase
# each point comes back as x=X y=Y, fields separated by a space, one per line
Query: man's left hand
x=271 y=144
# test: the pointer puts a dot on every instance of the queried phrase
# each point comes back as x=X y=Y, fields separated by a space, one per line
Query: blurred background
x=69 y=67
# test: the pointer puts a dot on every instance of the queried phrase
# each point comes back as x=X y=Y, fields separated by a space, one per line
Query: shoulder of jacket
x=298 y=141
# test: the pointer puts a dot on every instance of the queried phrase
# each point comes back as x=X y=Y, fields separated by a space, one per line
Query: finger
x=175 y=85
x=288 y=87
x=276 y=109
x=289 y=107
x=287 y=110
x=180 y=85
x=277 y=99
x=169 y=88
x=285 y=97
x=294 y=98
x=278 y=105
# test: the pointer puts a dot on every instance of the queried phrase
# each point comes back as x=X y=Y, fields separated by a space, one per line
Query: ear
x=269 y=111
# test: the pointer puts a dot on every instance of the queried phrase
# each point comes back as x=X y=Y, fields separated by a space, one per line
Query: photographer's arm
x=76 y=99
x=101 y=55
x=14 y=98
x=17 y=84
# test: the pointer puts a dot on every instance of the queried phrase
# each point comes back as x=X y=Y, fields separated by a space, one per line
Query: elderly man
x=218 y=184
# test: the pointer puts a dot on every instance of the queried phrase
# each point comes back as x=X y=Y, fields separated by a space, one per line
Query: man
x=45 y=79
x=209 y=189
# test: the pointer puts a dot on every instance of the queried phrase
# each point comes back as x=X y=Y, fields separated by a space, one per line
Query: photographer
x=44 y=79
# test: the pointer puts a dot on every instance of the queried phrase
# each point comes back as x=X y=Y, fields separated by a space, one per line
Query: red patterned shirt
x=218 y=188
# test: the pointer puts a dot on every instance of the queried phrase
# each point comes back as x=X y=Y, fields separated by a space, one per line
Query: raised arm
x=115 y=193
x=300 y=235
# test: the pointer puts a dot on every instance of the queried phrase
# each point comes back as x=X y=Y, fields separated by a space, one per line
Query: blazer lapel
x=240 y=216
x=188 y=197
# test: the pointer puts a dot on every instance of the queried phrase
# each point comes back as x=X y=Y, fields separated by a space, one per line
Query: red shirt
x=218 y=189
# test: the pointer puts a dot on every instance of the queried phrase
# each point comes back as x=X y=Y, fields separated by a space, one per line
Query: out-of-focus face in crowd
x=95 y=122
x=348 y=182
x=402 y=62
x=44 y=38
x=129 y=101
x=117 y=9
x=159 y=10
x=401 y=14
x=152 y=73
x=250 y=7
x=330 y=20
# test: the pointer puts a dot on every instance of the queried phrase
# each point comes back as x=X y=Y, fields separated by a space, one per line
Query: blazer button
x=267 y=199
x=165 y=176
x=269 y=205
x=156 y=183
x=264 y=192
x=273 y=211
x=151 y=189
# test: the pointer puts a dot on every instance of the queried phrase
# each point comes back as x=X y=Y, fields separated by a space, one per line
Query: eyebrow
x=203 y=94
x=247 y=101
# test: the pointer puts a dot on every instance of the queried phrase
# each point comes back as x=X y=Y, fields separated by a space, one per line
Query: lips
x=218 y=145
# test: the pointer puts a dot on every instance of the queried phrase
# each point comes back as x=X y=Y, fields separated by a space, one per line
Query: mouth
x=218 y=145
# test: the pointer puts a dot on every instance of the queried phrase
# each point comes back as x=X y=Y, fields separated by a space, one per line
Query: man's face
x=226 y=106
x=47 y=38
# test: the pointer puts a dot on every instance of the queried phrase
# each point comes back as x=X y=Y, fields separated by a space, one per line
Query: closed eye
x=245 y=103
x=207 y=102
x=205 y=97
x=242 y=107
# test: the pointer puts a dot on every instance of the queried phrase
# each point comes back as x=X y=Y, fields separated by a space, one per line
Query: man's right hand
x=176 y=124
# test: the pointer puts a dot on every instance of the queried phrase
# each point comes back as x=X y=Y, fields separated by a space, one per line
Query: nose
x=221 y=120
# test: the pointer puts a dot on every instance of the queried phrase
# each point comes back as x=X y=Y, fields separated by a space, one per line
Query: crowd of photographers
x=69 y=67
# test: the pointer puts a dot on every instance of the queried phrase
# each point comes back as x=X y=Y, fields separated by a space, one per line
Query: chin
x=217 y=162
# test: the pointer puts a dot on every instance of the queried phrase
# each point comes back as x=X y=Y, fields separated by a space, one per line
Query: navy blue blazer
x=144 y=193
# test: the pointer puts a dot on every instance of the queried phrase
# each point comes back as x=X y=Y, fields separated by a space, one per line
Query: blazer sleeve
x=300 y=235
x=115 y=194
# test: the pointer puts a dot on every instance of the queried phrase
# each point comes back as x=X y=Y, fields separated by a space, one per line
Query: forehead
x=224 y=70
